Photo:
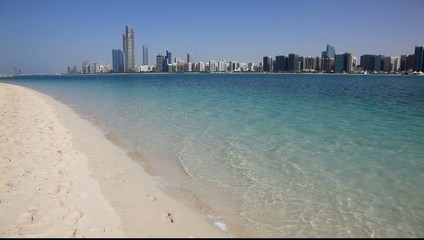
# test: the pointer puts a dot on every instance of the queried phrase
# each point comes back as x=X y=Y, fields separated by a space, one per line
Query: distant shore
x=62 y=178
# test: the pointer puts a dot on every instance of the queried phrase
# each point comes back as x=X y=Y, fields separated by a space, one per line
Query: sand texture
x=60 y=177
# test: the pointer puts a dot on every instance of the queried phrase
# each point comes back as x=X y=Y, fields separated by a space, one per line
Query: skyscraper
x=128 y=44
x=379 y=63
x=367 y=62
x=343 y=63
x=280 y=63
x=168 y=60
x=160 y=59
x=118 y=60
x=419 y=59
x=145 y=55
x=189 y=57
x=267 y=64
x=294 y=63
x=329 y=53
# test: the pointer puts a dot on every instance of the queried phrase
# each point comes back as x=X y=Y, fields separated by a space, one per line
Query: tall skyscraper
x=379 y=62
x=406 y=62
x=367 y=62
x=145 y=55
x=168 y=60
x=280 y=63
x=343 y=63
x=86 y=67
x=329 y=53
x=294 y=63
x=267 y=64
x=160 y=59
x=189 y=57
x=118 y=60
x=128 y=44
x=419 y=59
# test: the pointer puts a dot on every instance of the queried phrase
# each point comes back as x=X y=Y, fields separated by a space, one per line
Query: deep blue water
x=271 y=155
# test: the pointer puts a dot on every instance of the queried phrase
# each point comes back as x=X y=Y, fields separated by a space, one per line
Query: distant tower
x=168 y=60
x=128 y=44
x=145 y=55
x=267 y=64
x=160 y=59
x=419 y=59
x=329 y=53
x=189 y=57
x=118 y=60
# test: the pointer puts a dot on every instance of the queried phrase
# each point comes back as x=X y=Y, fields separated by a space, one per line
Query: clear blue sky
x=46 y=36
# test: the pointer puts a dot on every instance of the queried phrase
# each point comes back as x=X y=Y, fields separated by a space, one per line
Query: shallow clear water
x=271 y=155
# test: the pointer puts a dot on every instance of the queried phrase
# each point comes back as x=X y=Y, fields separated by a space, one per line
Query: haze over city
x=44 y=37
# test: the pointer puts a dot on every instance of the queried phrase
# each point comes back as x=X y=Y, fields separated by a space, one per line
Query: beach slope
x=60 y=177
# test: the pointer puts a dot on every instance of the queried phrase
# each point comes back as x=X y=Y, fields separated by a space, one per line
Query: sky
x=47 y=36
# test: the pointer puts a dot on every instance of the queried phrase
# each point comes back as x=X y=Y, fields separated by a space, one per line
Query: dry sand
x=60 y=177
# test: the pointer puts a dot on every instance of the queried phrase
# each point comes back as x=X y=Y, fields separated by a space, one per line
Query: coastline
x=61 y=177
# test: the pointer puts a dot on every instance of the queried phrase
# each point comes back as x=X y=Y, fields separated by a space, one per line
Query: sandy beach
x=61 y=177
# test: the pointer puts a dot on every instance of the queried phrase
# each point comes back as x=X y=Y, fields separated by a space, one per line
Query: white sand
x=61 y=177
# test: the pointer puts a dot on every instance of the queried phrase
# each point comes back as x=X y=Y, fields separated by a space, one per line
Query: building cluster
x=123 y=61
x=330 y=62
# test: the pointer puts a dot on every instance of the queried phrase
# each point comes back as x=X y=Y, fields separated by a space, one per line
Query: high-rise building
x=390 y=64
x=406 y=62
x=280 y=63
x=168 y=61
x=343 y=63
x=189 y=57
x=329 y=53
x=145 y=55
x=379 y=62
x=160 y=59
x=267 y=64
x=294 y=63
x=118 y=60
x=367 y=62
x=86 y=67
x=129 y=50
x=419 y=59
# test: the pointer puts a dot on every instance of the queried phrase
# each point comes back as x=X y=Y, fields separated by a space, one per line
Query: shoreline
x=113 y=196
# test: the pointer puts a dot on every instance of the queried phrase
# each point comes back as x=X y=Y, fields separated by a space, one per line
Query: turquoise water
x=271 y=155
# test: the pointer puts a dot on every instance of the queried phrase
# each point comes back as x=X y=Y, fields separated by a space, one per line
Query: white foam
x=219 y=224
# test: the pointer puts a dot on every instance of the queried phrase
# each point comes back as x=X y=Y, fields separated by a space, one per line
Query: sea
x=269 y=155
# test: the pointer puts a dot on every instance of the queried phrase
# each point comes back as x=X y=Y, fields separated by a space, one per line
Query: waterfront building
x=367 y=62
x=327 y=64
x=118 y=60
x=267 y=64
x=390 y=64
x=343 y=63
x=180 y=65
x=222 y=66
x=213 y=66
x=145 y=55
x=406 y=63
x=294 y=63
x=86 y=67
x=310 y=64
x=167 y=61
x=329 y=53
x=201 y=67
x=128 y=49
x=419 y=59
x=379 y=63
x=160 y=59
x=280 y=63
x=189 y=57
x=339 y=63
x=318 y=64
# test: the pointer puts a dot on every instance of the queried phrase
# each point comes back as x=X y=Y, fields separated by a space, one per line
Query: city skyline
x=46 y=36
